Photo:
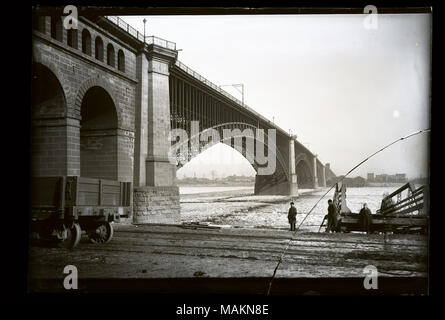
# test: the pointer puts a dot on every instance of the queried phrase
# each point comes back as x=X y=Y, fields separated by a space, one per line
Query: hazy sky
x=345 y=90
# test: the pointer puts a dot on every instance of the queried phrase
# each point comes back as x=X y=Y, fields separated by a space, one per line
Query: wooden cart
x=63 y=207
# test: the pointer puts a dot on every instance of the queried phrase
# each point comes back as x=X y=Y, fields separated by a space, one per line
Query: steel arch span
x=192 y=100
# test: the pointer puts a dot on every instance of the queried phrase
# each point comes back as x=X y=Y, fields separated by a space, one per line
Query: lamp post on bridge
x=144 y=21
x=236 y=86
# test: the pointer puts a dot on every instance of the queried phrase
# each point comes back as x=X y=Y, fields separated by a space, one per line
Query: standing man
x=365 y=218
x=332 y=217
x=292 y=216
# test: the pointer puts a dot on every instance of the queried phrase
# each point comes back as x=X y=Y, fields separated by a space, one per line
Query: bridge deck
x=153 y=251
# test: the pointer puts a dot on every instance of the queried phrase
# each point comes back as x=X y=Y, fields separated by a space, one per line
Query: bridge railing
x=148 y=39
x=207 y=82
x=196 y=75
x=160 y=42
x=172 y=46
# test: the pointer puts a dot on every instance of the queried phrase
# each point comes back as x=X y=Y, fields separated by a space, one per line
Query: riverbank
x=165 y=252
x=394 y=185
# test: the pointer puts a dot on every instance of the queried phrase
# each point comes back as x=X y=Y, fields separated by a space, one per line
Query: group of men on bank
x=332 y=216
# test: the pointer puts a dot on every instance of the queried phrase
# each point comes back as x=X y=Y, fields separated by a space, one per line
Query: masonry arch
x=110 y=55
x=86 y=42
x=99 y=49
x=48 y=96
x=98 y=135
x=38 y=59
x=56 y=25
x=304 y=176
x=121 y=60
x=96 y=82
x=71 y=38
x=48 y=102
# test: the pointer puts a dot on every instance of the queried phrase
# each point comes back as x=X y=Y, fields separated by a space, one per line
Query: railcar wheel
x=102 y=234
x=71 y=236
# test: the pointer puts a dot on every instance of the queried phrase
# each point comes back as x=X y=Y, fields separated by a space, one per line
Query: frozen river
x=238 y=207
x=183 y=190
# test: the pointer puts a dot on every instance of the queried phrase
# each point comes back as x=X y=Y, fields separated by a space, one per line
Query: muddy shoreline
x=179 y=252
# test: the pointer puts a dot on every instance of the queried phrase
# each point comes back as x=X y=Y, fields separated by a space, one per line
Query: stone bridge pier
x=156 y=196
x=284 y=180
x=314 y=173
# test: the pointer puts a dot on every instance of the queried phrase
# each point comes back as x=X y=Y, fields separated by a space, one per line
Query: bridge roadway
x=198 y=255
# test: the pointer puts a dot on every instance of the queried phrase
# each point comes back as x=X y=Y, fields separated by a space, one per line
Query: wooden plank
x=402 y=204
x=58 y=193
x=88 y=199
x=111 y=189
x=408 y=210
x=84 y=180
x=89 y=187
x=110 y=183
x=62 y=192
x=417 y=195
x=111 y=195
x=426 y=202
x=401 y=189
x=100 y=192
x=110 y=200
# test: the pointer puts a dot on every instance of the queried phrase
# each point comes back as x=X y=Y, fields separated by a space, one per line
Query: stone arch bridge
x=105 y=103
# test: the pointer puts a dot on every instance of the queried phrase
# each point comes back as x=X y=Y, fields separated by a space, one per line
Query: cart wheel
x=102 y=234
x=73 y=236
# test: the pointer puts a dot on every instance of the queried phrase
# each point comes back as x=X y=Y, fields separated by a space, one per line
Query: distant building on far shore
x=229 y=180
x=355 y=182
x=395 y=178
x=400 y=177
x=381 y=178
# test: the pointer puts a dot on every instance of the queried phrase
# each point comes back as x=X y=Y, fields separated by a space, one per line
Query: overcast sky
x=345 y=90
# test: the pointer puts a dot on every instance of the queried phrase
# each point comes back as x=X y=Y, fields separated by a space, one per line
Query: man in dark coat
x=292 y=216
x=332 y=217
x=365 y=218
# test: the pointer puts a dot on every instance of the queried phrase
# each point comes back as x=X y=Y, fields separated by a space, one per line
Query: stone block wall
x=156 y=205
x=56 y=139
x=49 y=149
